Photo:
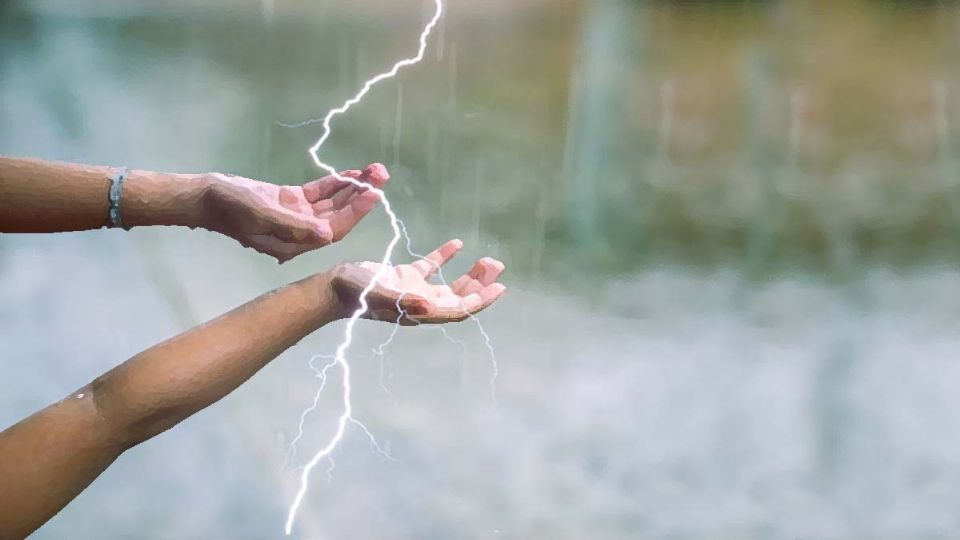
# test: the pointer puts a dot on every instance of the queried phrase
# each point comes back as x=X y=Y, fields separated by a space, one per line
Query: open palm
x=285 y=221
x=405 y=294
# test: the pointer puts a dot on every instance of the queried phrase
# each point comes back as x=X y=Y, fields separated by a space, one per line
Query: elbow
x=111 y=422
x=127 y=420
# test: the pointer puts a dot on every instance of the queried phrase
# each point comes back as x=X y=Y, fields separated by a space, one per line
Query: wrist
x=156 y=198
x=325 y=303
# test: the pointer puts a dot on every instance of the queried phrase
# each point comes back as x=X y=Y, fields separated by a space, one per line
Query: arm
x=281 y=221
x=47 y=196
x=49 y=458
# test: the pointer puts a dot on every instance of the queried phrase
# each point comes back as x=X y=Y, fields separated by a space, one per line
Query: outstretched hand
x=285 y=221
x=404 y=293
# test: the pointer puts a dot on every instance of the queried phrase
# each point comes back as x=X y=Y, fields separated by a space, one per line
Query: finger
x=327 y=186
x=344 y=188
x=482 y=273
x=376 y=175
x=428 y=265
x=460 y=284
x=489 y=270
x=470 y=303
x=342 y=221
x=342 y=198
x=322 y=207
x=466 y=285
x=458 y=311
x=490 y=294
x=476 y=302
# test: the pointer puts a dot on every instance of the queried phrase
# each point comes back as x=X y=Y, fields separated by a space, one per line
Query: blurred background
x=731 y=232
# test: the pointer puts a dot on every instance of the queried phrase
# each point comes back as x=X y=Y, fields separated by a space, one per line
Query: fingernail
x=377 y=173
x=458 y=242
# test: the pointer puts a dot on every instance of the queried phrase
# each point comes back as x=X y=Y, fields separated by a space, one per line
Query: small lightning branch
x=340 y=357
x=486 y=337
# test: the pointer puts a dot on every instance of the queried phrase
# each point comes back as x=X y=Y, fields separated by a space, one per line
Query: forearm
x=47 y=196
x=158 y=388
x=49 y=458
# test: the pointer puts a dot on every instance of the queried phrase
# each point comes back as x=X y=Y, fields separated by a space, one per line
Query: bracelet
x=116 y=187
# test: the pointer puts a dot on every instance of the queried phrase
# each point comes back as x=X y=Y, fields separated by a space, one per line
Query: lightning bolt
x=339 y=358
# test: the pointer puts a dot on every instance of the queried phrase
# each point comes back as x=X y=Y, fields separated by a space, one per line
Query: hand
x=285 y=221
x=405 y=295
